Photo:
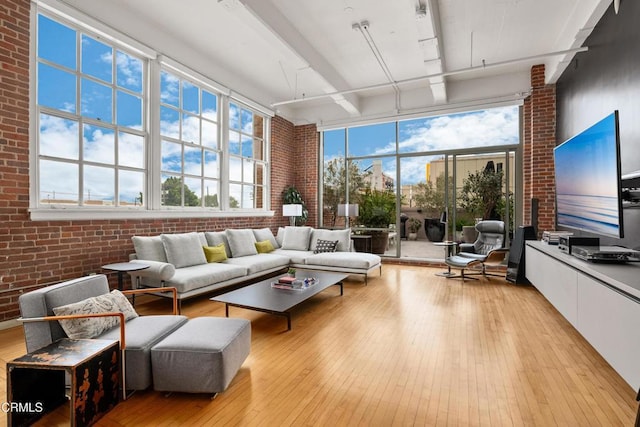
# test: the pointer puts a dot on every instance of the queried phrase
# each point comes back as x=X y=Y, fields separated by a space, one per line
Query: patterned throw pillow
x=92 y=327
x=325 y=246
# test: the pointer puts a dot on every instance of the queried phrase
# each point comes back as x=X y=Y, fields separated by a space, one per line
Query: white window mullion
x=223 y=129
x=154 y=143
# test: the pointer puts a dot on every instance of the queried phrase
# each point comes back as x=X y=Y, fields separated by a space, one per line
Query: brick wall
x=306 y=150
x=34 y=254
x=539 y=139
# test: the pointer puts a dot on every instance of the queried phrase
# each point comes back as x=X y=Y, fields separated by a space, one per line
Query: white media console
x=602 y=301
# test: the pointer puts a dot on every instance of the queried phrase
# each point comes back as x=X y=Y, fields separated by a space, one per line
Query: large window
x=120 y=128
x=190 y=149
x=247 y=162
x=92 y=143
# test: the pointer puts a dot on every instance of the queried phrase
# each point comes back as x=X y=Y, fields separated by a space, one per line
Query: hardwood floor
x=411 y=348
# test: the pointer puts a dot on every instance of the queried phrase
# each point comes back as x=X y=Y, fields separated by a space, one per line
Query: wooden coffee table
x=262 y=297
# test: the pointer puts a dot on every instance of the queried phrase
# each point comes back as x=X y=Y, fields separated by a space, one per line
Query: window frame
x=153 y=64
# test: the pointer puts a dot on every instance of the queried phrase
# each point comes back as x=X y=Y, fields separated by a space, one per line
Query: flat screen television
x=588 y=185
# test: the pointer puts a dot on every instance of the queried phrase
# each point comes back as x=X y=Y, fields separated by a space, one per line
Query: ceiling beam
x=279 y=26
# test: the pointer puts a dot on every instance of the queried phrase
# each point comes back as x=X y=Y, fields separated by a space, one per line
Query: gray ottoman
x=202 y=356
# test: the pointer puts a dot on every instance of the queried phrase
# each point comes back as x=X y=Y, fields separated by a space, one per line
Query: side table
x=123 y=267
x=449 y=250
x=37 y=380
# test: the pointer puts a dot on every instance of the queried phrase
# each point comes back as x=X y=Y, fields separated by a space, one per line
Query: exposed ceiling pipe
x=363 y=27
x=430 y=76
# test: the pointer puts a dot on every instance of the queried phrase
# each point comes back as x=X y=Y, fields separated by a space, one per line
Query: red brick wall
x=33 y=254
x=306 y=146
x=539 y=135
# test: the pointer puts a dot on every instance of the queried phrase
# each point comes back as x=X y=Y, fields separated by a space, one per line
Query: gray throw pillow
x=296 y=238
x=149 y=248
x=241 y=242
x=184 y=249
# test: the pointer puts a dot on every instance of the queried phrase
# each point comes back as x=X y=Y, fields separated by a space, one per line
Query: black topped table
x=262 y=297
x=123 y=267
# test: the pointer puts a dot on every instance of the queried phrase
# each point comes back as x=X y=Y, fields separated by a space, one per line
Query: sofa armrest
x=161 y=271
x=176 y=309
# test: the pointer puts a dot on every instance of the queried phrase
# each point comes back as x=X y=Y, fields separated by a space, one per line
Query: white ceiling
x=305 y=60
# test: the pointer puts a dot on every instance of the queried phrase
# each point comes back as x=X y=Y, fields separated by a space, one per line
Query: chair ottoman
x=202 y=356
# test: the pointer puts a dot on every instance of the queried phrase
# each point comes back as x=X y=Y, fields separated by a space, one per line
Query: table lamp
x=292 y=211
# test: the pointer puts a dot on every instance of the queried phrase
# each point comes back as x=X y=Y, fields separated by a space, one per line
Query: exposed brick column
x=539 y=139
x=306 y=145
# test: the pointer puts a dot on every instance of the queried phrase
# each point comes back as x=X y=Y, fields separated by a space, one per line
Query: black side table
x=37 y=379
x=123 y=267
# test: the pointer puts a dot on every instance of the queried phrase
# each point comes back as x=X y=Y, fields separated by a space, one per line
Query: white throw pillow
x=280 y=236
x=241 y=242
x=342 y=236
x=266 y=234
x=296 y=238
x=183 y=249
x=149 y=248
x=90 y=327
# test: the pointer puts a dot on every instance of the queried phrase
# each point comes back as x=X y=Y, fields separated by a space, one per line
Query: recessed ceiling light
x=348 y=9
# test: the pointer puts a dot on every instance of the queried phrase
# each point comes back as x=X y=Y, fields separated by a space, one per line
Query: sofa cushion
x=184 y=249
x=149 y=248
x=92 y=327
x=241 y=242
x=295 y=257
x=355 y=260
x=215 y=253
x=296 y=238
x=325 y=246
x=264 y=247
x=214 y=238
x=263 y=234
x=342 y=236
x=280 y=236
x=198 y=276
x=261 y=262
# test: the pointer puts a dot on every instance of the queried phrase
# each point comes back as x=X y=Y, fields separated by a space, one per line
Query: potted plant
x=377 y=210
x=429 y=198
x=291 y=272
x=413 y=225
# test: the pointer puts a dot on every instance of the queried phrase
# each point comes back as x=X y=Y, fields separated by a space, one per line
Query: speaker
x=516 y=263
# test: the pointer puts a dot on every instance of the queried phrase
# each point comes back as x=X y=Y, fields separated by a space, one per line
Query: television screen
x=587 y=172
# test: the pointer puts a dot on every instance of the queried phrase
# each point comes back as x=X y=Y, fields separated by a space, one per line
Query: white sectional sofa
x=179 y=260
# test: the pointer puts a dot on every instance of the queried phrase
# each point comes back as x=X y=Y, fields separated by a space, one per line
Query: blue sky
x=485 y=128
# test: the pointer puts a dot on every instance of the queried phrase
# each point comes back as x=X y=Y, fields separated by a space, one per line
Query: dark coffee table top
x=262 y=296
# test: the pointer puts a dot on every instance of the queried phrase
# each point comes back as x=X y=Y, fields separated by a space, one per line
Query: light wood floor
x=410 y=348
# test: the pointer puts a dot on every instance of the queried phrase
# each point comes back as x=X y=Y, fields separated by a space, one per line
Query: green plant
x=482 y=193
x=291 y=196
x=291 y=271
x=413 y=225
x=429 y=197
x=377 y=209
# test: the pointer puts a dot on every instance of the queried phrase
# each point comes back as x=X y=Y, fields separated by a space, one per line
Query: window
x=91 y=139
x=247 y=162
x=108 y=139
x=190 y=149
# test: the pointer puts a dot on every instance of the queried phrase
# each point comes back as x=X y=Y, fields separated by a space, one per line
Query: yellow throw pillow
x=264 y=247
x=215 y=253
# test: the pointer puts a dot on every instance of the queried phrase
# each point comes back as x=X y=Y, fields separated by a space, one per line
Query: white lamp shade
x=291 y=210
x=348 y=210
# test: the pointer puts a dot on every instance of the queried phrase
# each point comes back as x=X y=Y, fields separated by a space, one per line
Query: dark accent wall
x=603 y=79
